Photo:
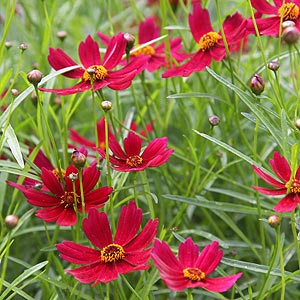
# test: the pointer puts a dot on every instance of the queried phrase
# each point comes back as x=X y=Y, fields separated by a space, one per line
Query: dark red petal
x=89 y=52
x=132 y=144
x=77 y=138
x=90 y=178
x=54 y=213
x=105 y=39
x=267 y=178
x=114 y=51
x=116 y=149
x=97 y=229
x=77 y=254
x=97 y=198
x=148 y=31
x=288 y=203
x=161 y=159
x=67 y=217
x=188 y=253
x=123 y=267
x=155 y=148
x=41 y=160
x=218 y=284
x=199 y=29
x=281 y=167
x=41 y=199
x=51 y=182
x=269 y=191
x=58 y=60
x=129 y=223
x=264 y=7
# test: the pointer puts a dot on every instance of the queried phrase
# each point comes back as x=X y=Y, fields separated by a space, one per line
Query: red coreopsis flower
x=155 y=53
x=127 y=252
x=58 y=199
x=132 y=159
x=289 y=11
x=100 y=70
x=288 y=184
x=210 y=42
x=191 y=268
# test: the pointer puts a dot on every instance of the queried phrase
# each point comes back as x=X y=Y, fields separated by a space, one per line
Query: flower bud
x=291 y=35
x=61 y=35
x=106 y=105
x=297 y=123
x=274 y=221
x=273 y=65
x=78 y=159
x=257 y=84
x=23 y=47
x=38 y=186
x=34 y=77
x=129 y=41
x=287 y=24
x=8 y=44
x=214 y=120
x=11 y=221
x=15 y=92
x=73 y=176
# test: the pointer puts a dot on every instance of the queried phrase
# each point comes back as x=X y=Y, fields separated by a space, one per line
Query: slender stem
x=295 y=236
x=281 y=263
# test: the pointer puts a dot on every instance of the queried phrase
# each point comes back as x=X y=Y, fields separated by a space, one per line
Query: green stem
x=295 y=236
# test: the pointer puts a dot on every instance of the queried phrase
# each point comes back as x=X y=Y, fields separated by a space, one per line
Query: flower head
x=288 y=184
x=279 y=12
x=60 y=201
x=132 y=159
x=96 y=72
x=127 y=252
x=210 y=43
x=191 y=268
x=155 y=53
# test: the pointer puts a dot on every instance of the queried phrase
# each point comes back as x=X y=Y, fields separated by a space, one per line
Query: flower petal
x=89 y=52
x=288 y=203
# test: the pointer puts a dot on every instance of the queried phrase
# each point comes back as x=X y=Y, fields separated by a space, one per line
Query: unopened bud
x=15 y=92
x=61 y=35
x=273 y=65
x=287 y=24
x=23 y=47
x=34 y=77
x=8 y=44
x=257 y=84
x=73 y=176
x=78 y=159
x=274 y=221
x=106 y=105
x=214 y=120
x=291 y=35
x=297 y=123
x=11 y=221
x=129 y=41
x=38 y=186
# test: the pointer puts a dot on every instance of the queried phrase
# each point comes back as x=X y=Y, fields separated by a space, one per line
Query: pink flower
x=132 y=158
x=127 y=252
x=191 y=268
x=288 y=184
x=271 y=25
x=95 y=67
x=211 y=45
x=155 y=53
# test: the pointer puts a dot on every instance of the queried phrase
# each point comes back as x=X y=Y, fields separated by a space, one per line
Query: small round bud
x=297 y=123
x=8 y=44
x=287 y=24
x=34 y=77
x=38 y=186
x=214 y=120
x=274 y=221
x=11 y=221
x=273 y=65
x=106 y=105
x=233 y=252
x=129 y=41
x=57 y=100
x=291 y=35
x=23 y=47
x=61 y=35
x=257 y=84
x=78 y=159
x=15 y=92
x=73 y=176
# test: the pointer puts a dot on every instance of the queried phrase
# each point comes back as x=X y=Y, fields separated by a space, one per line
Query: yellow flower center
x=96 y=72
x=293 y=186
x=134 y=161
x=147 y=50
x=59 y=172
x=208 y=40
x=289 y=11
x=112 y=253
x=67 y=200
x=193 y=274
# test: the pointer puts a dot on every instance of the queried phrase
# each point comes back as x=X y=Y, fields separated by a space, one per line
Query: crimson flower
x=288 y=184
x=100 y=70
x=191 y=268
x=155 y=53
x=131 y=159
x=289 y=11
x=211 y=44
x=58 y=199
x=127 y=252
